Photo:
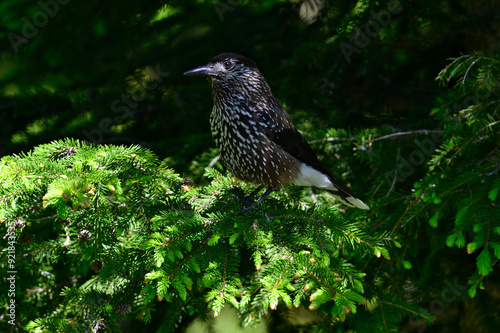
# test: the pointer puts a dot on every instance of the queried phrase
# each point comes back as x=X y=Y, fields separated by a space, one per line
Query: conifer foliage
x=86 y=209
x=462 y=183
x=131 y=236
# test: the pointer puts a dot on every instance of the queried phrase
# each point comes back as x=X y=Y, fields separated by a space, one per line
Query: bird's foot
x=250 y=207
x=251 y=204
x=248 y=202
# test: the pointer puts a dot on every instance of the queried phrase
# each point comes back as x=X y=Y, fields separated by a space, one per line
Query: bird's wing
x=280 y=130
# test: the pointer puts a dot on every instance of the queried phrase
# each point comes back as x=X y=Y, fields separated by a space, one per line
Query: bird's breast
x=246 y=150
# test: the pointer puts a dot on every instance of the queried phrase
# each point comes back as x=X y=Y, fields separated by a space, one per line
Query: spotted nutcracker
x=257 y=140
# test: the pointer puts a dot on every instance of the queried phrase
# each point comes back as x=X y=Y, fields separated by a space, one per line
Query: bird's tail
x=346 y=197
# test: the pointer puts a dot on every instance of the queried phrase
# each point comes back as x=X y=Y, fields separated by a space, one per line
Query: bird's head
x=234 y=72
x=227 y=67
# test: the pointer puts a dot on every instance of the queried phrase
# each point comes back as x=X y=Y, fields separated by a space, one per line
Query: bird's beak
x=200 y=71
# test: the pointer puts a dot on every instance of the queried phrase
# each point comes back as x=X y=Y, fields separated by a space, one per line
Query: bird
x=257 y=140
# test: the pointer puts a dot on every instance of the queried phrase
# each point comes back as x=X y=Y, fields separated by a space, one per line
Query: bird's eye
x=227 y=64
